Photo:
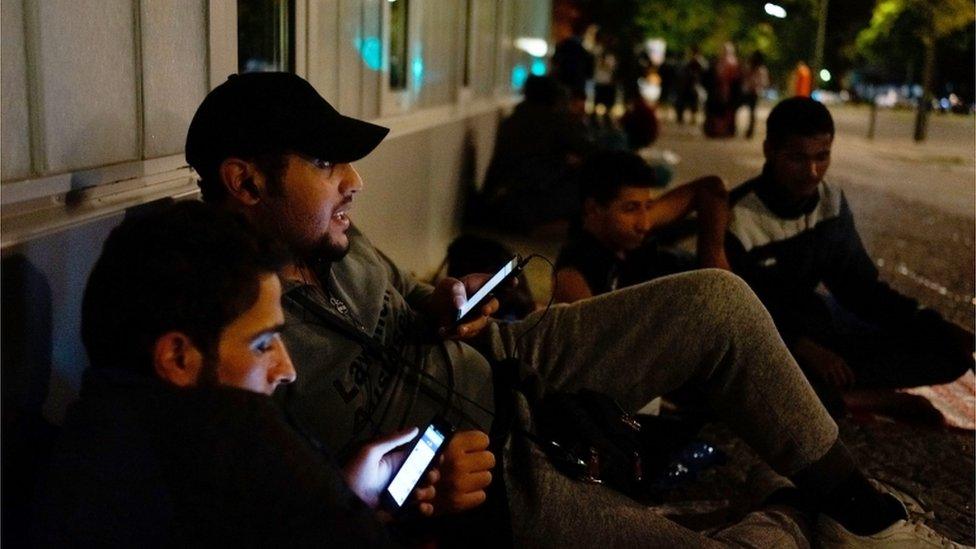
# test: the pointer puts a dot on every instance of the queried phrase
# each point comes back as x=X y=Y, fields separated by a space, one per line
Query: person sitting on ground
x=613 y=247
x=792 y=237
x=175 y=440
x=531 y=179
x=374 y=347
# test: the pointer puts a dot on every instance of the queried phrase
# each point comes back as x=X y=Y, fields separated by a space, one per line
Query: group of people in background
x=788 y=232
x=725 y=84
x=586 y=104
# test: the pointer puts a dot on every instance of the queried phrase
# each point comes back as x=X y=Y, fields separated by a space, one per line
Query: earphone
x=251 y=188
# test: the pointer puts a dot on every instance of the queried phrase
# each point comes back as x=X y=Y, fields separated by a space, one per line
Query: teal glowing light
x=538 y=67
x=371 y=50
x=417 y=68
x=519 y=76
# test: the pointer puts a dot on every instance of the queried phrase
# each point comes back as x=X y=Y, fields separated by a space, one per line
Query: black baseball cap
x=274 y=112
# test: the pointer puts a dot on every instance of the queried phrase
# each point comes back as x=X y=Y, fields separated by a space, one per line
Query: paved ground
x=932 y=466
x=914 y=205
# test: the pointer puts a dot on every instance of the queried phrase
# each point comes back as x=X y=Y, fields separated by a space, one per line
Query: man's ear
x=238 y=177
x=177 y=360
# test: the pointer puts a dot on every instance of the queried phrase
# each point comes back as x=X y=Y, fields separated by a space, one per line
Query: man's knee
x=720 y=286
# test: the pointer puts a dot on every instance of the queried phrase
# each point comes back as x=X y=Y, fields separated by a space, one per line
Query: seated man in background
x=613 y=247
x=532 y=179
x=792 y=236
x=376 y=348
x=175 y=440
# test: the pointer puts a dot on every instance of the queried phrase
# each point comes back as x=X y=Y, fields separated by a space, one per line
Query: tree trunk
x=818 y=50
x=925 y=102
x=872 y=121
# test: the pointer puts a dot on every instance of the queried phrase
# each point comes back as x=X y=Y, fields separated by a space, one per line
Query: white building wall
x=82 y=63
x=14 y=124
x=174 y=71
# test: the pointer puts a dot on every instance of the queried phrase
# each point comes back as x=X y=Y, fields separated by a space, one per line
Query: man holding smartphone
x=375 y=348
x=175 y=440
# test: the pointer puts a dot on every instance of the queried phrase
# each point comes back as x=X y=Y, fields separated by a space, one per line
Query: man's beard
x=330 y=251
x=323 y=250
x=322 y=254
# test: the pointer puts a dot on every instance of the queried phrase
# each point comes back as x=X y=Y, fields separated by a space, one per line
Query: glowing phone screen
x=415 y=464
x=488 y=287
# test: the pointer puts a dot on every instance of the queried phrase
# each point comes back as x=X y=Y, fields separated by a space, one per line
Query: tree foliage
x=710 y=23
x=893 y=42
x=883 y=36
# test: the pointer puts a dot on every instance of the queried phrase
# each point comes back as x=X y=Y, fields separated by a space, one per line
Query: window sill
x=34 y=208
x=37 y=217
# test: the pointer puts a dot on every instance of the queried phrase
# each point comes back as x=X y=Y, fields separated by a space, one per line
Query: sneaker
x=907 y=534
x=911 y=503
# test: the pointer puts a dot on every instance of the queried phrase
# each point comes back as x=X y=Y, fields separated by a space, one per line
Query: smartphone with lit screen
x=423 y=451
x=508 y=271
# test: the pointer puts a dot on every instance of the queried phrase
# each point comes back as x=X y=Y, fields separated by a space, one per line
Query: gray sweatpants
x=704 y=328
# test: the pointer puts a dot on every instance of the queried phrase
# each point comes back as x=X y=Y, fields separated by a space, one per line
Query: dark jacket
x=787 y=251
x=531 y=179
x=143 y=464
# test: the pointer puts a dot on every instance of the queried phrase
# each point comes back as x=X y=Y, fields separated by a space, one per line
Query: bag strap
x=392 y=361
x=338 y=323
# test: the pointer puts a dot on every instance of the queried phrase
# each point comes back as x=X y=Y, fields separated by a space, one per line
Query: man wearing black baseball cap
x=375 y=349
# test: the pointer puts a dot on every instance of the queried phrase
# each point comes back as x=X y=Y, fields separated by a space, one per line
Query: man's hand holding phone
x=462 y=307
x=370 y=470
x=451 y=294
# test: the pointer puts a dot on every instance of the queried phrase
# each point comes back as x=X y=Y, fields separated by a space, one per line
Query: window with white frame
x=92 y=83
x=437 y=63
x=528 y=28
x=70 y=123
x=483 y=47
x=265 y=36
x=398 y=40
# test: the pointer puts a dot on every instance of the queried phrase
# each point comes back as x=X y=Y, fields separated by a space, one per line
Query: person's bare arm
x=824 y=363
x=708 y=197
x=569 y=286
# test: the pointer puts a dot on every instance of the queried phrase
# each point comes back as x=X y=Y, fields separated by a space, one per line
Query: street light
x=775 y=10
x=825 y=75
